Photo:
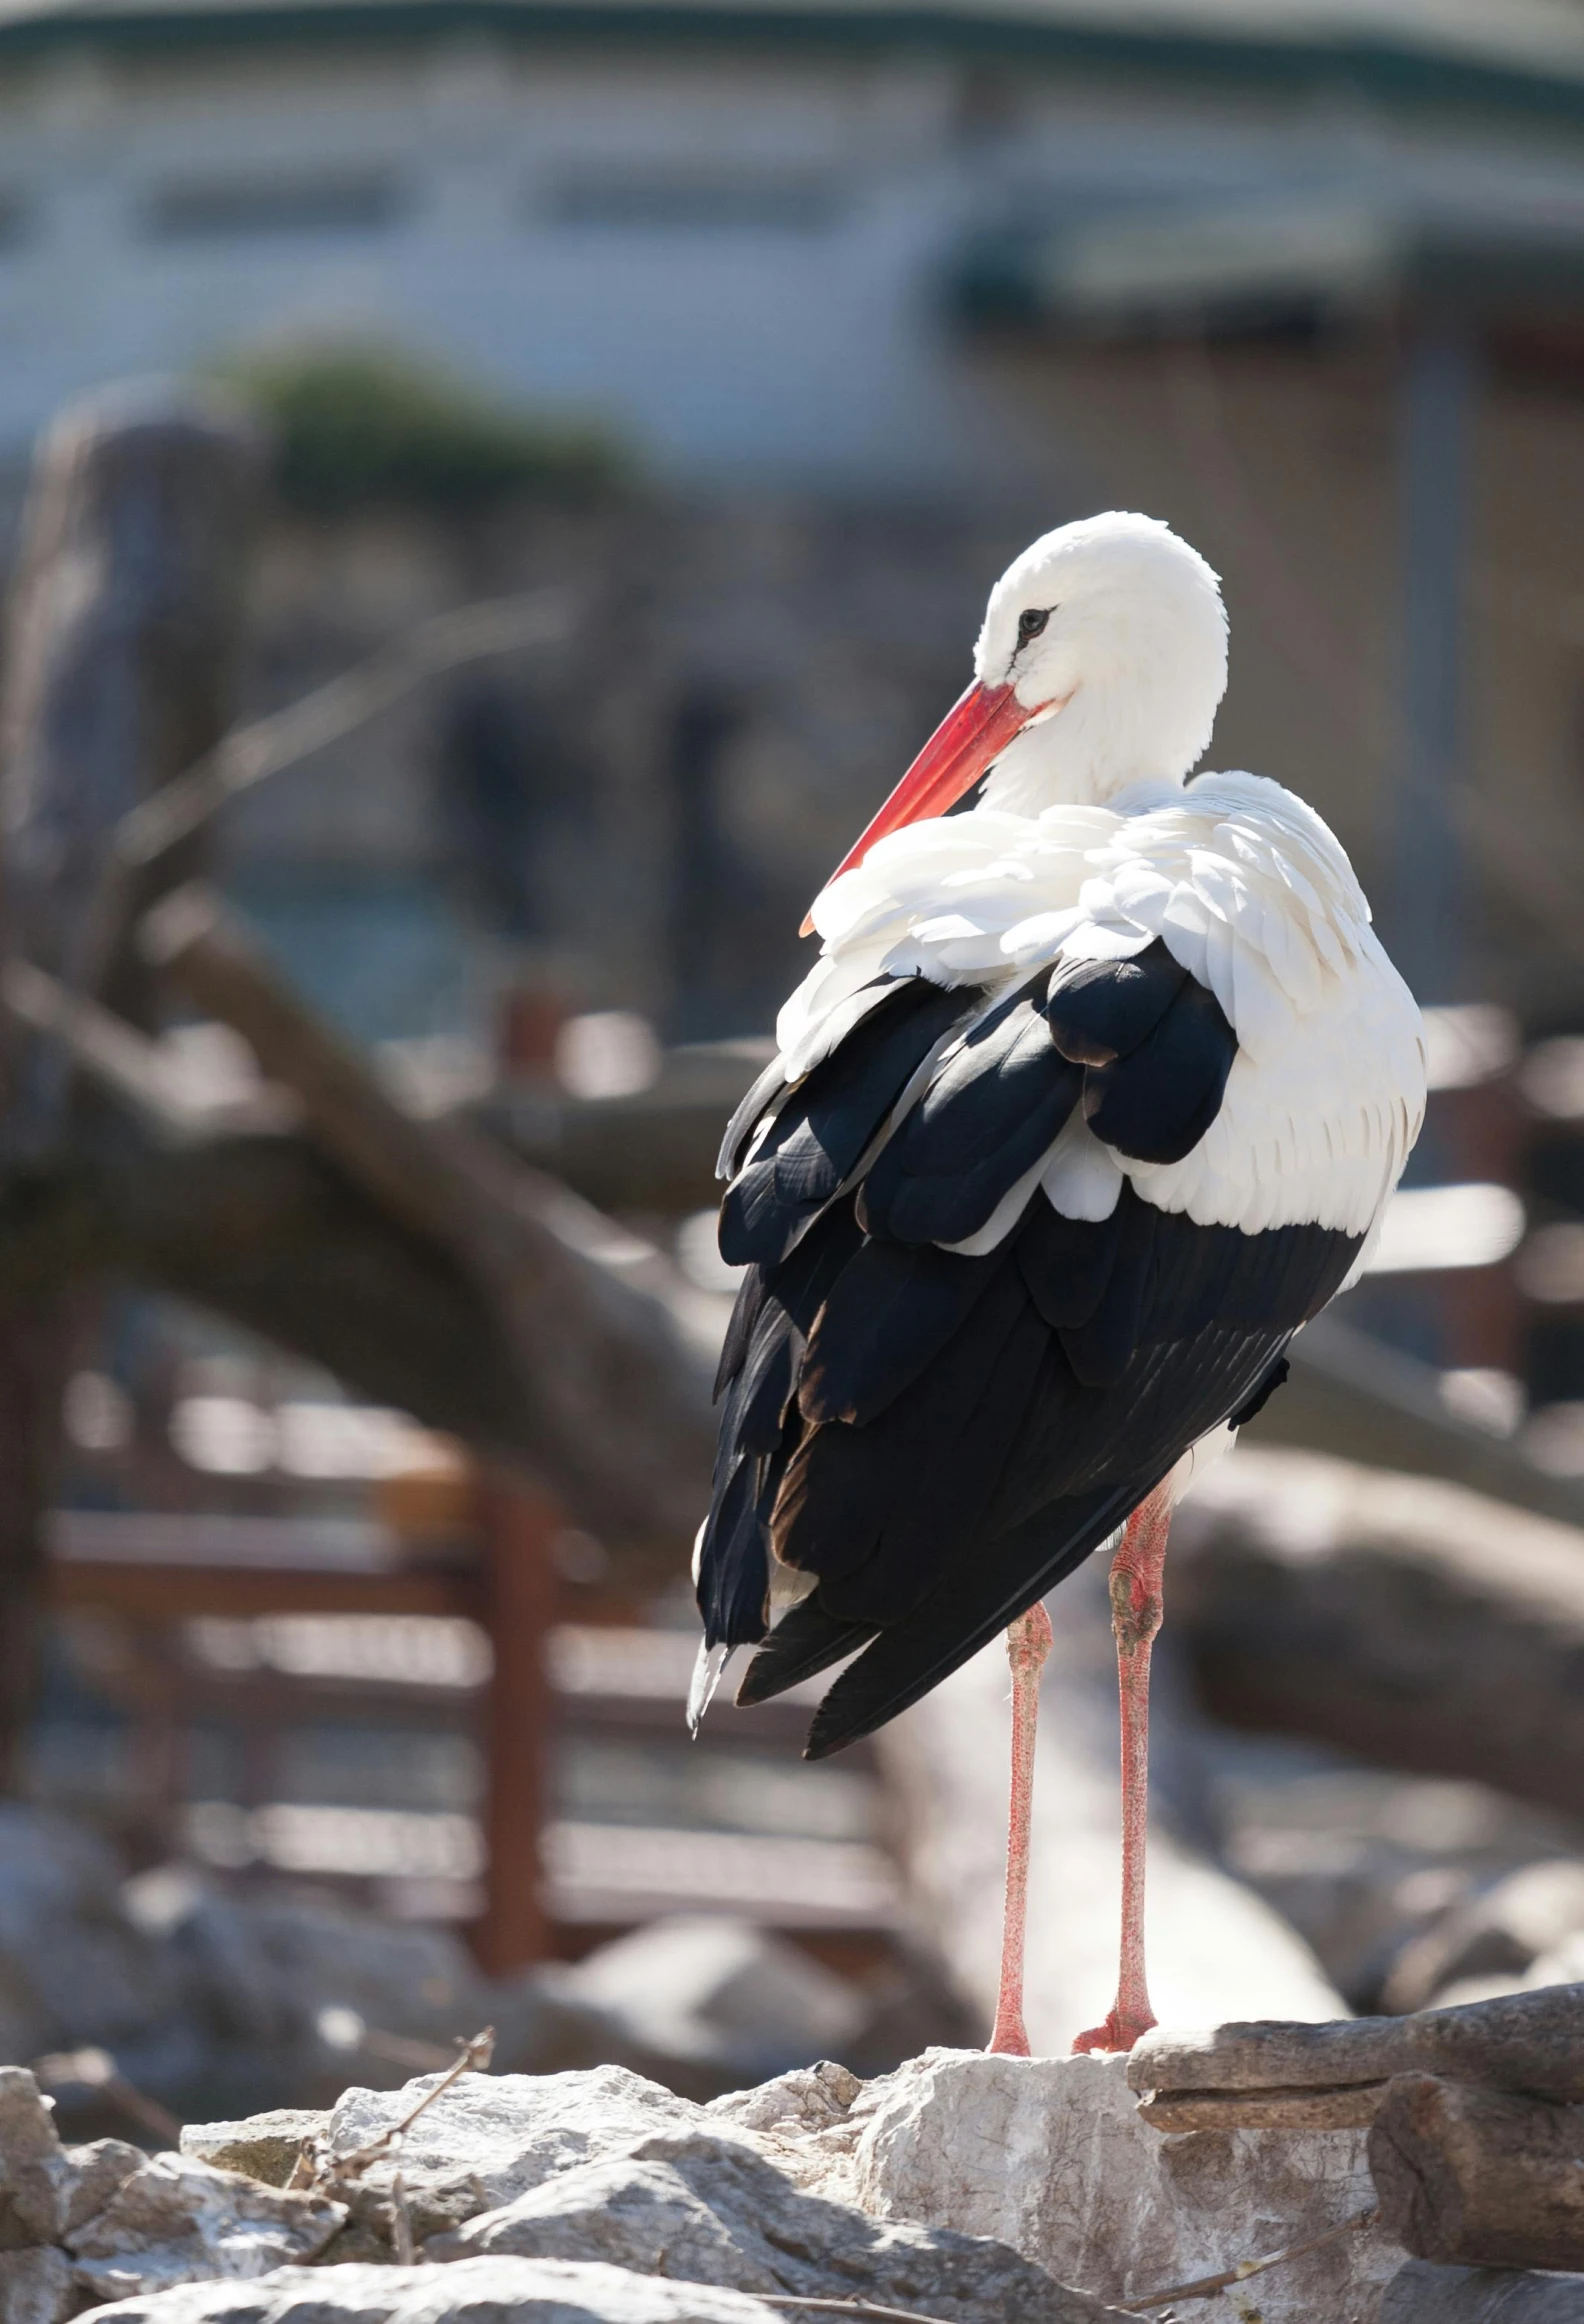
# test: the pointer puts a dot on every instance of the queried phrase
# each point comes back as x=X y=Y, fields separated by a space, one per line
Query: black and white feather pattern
x=1031 y=1204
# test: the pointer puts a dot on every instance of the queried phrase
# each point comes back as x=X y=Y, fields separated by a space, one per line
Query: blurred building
x=742 y=230
x=1308 y=280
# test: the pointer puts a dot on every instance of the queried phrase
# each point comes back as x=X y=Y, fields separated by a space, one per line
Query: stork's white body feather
x=1252 y=895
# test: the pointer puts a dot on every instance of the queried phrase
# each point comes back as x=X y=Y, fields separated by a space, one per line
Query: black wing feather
x=770 y=1091
x=1100 y=1348
x=760 y=1425
x=936 y=1438
x=888 y=1316
x=1156 y=1103
x=1275 y=1378
x=1102 y=1009
x=739 y=1331
x=820 y=1135
x=876 y=1512
x=995 y=1106
x=734 y=1579
x=1067 y=1262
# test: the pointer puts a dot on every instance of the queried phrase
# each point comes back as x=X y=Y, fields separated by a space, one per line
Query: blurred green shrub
x=354 y=426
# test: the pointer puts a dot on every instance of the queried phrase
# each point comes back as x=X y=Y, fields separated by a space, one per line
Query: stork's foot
x=1009 y=2040
x=1119 y=2032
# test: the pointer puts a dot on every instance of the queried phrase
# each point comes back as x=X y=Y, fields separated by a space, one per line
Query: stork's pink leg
x=1135 y=1617
x=1028 y=1643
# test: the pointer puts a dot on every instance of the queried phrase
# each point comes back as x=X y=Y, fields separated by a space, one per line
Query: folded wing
x=1025 y=1231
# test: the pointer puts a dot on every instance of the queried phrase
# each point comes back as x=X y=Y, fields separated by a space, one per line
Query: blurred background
x=732 y=350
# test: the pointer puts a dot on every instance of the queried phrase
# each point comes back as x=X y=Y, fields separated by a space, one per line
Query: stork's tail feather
x=962 y=1614
x=803 y=1643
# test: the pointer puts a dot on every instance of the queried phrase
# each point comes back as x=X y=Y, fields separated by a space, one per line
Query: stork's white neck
x=1107 y=738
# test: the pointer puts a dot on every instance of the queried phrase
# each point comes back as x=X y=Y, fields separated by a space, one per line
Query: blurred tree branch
x=265 y=746
x=619 y=1395
x=416 y=1260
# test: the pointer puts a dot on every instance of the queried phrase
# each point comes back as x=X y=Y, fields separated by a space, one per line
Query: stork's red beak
x=973 y=734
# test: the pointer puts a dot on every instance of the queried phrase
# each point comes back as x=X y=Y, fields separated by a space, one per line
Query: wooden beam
x=617 y=1387
x=176 y=1593
x=265 y=1229
x=1473 y=2176
x=1351 y=1395
x=517 y=1529
x=1349 y=2107
x=1528 y=2043
x=652 y=1151
x=424 y=1175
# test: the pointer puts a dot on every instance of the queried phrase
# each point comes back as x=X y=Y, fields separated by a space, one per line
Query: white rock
x=491 y=2138
x=795 y=2105
x=1049 y=2156
x=263 y=2146
x=1216 y=1950
x=475 y=2291
x=1045 y=2156
x=46 y=2188
x=176 y=2220
x=1362 y=1860
x=30 y=2162
x=629 y=2213
x=604 y=2167
x=702 y=2206
x=805 y=2122
x=37 y=2287
x=1562 y=1965
x=92 y=2175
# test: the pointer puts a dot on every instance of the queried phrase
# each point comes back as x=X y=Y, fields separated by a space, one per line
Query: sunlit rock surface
x=969 y=2189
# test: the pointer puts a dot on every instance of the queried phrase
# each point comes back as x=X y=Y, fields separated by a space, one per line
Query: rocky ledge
x=961 y=2188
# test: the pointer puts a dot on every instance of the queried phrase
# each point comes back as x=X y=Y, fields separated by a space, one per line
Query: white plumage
x=1248 y=889
x=1250 y=892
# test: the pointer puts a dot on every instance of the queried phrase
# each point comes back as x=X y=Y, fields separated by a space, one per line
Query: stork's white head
x=1111 y=632
x=1101 y=663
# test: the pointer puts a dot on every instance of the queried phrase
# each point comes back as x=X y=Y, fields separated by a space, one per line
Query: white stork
x=1096 y=1093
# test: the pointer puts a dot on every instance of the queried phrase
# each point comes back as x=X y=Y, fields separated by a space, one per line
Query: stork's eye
x=1030 y=622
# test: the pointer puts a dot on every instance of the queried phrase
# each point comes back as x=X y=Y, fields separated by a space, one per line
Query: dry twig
x=417 y=2057
x=1203 y=2287
x=864 y=2310
x=320 y=2171
x=250 y=753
